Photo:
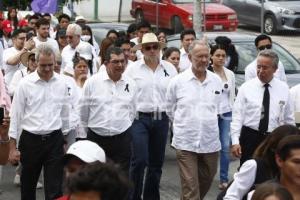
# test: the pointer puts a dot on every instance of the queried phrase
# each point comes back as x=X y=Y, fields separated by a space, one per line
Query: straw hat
x=149 y=38
x=25 y=56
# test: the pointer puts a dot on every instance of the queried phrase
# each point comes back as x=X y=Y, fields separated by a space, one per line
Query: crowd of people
x=95 y=118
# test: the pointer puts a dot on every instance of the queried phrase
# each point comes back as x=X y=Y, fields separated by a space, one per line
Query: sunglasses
x=154 y=47
x=268 y=46
x=69 y=36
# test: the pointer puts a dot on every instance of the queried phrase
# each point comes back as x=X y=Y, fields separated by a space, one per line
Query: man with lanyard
x=262 y=104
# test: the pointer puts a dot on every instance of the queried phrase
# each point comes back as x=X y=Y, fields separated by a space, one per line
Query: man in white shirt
x=150 y=129
x=11 y=56
x=42 y=29
x=142 y=28
x=186 y=37
x=262 y=104
x=73 y=34
x=38 y=109
x=193 y=106
x=124 y=44
x=107 y=108
x=263 y=42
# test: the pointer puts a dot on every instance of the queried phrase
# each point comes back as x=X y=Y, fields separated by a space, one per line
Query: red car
x=178 y=14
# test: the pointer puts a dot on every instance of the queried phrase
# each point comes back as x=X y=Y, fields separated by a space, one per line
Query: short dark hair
x=214 y=48
x=169 y=51
x=143 y=24
x=262 y=37
x=42 y=21
x=17 y=32
x=120 y=41
x=187 y=32
x=269 y=188
x=35 y=16
x=65 y=16
x=112 y=31
x=112 y=50
x=131 y=28
x=46 y=15
x=77 y=58
x=104 y=178
x=286 y=145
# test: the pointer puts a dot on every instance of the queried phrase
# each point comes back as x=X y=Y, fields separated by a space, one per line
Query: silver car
x=278 y=14
x=244 y=44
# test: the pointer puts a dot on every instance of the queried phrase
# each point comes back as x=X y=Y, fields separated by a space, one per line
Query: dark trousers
x=249 y=140
x=116 y=148
x=39 y=151
x=149 y=137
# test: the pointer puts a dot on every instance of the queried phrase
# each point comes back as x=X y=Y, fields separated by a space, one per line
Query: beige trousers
x=197 y=171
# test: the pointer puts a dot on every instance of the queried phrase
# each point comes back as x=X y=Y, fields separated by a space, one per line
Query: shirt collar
x=36 y=77
x=159 y=64
x=271 y=83
x=104 y=76
x=191 y=75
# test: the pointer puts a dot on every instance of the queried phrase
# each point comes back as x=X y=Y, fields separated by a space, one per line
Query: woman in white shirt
x=218 y=57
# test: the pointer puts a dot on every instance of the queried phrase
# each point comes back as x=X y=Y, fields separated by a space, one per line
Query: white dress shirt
x=39 y=106
x=248 y=106
x=193 y=108
x=184 y=62
x=295 y=95
x=53 y=43
x=1 y=55
x=106 y=107
x=243 y=181
x=10 y=69
x=152 y=85
x=251 y=71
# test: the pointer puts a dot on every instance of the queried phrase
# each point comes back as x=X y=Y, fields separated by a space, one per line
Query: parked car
x=100 y=29
x=178 y=14
x=278 y=14
x=244 y=44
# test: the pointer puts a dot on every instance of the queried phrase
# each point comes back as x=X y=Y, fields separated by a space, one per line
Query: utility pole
x=157 y=14
x=96 y=10
x=197 y=17
x=262 y=17
x=120 y=11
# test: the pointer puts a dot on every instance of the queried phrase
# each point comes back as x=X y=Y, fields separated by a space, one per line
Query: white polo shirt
x=107 y=107
x=193 y=108
x=248 y=105
x=152 y=85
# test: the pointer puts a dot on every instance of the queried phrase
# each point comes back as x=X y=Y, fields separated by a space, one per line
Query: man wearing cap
x=7 y=31
x=107 y=108
x=42 y=29
x=193 y=106
x=80 y=154
x=80 y=20
x=150 y=128
x=73 y=34
x=39 y=108
x=11 y=56
x=263 y=42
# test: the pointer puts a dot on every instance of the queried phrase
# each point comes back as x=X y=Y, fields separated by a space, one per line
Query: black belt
x=109 y=136
x=253 y=131
x=152 y=114
x=43 y=136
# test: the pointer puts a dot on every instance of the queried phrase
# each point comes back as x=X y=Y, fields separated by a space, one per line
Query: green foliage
x=21 y=4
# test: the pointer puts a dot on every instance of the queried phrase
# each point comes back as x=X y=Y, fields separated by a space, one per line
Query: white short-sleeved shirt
x=53 y=43
x=184 y=62
x=10 y=69
x=193 y=108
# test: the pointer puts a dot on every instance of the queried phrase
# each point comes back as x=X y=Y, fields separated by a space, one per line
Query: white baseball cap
x=85 y=50
x=87 y=151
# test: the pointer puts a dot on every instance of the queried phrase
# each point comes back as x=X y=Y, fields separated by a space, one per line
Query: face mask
x=85 y=38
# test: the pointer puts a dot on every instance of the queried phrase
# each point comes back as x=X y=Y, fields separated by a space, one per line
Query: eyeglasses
x=154 y=47
x=268 y=46
x=117 y=61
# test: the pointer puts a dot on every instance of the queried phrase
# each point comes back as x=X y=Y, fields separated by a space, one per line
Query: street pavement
x=170 y=183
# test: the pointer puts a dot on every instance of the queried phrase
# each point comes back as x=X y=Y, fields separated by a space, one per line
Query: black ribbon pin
x=69 y=91
x=127 y=88
x=166 y=73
